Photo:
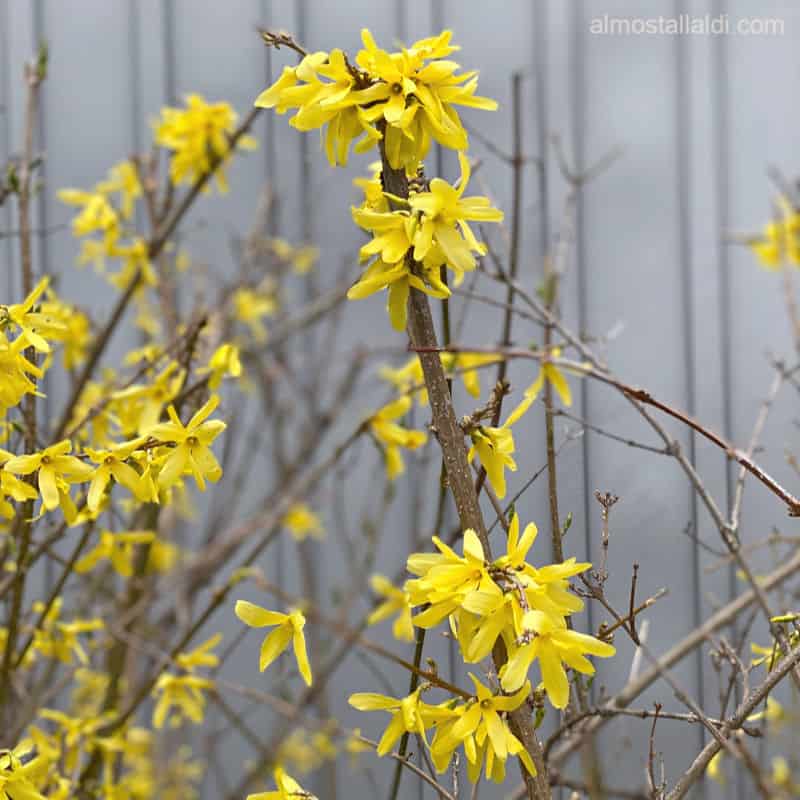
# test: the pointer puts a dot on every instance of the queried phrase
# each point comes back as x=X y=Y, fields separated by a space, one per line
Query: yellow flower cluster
x=180 y=697
x=130 y=439
x=42 y=317
x=508 y=599
x=400 y=101
x=779 y=244
x=198 y=136
x=46 y=764
x=146 y=466
x=103 y=224
x=412 y=243
x=302 y=522
x=408 y=97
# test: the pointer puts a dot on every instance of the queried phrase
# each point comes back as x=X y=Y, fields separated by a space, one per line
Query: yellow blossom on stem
x=111 y=464
x=714 y=769
x=445 y=212
x=408 y=379
x=250 y=306
x=552 y=374
x=123 y=178
x=306 y=752
x=301 y=258
x=774 y=713
x=54 y=466
x=180 y=697
x=397 y=602
x=399 y=279
x=288 y=630
x=287 y=789
x=553 y=644
x=328 y=104
x=97 y=215
x=780 y=241
x=303 y=522
x=35 y=325
x=224 y=361
x=392 y=233
x=191 y=452
x=15 y=774
x=782 y=778
x=117 y=548
x=495 y=447
x=409 y=715
x=392 y=437
x=483 y=730
x=467 y=364
x=415 y=99
x=139 y=407
x=136 y=265
x=59 y=640
x=12 y=487
x=405 y=97
x=15 y=369
x=68 y=325
x=196 y=135
x=445 y=578
x=201 y=656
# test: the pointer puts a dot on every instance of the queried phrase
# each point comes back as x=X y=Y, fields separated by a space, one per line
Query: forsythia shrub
x=136 y=440
x=399 y=103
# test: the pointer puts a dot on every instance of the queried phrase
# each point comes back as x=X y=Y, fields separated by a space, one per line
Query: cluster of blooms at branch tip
x=508 y=600
x=408 y=97
x=198 y=135
x=413 y=239
x=399 y=102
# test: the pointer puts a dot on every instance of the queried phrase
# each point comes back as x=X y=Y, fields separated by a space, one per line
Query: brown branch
x=34 y=75
x=680 y=650
x=745 y=709
x=454 y=452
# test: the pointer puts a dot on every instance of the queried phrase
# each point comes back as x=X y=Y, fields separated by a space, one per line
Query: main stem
x=422 y=333
x=33 y=78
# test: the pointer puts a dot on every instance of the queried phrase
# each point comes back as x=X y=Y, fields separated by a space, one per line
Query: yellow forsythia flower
x=54 y=468
x=180 y=697
x=391 y=436
x=484 y=719
x=552 y=374
x=117 y=548
x=287 y=789
x=445 y=212
x=224 y=361
x=397 y=602
x=495 y=447
x=191 y=452
x=197 y=134
x=303 y=522
x=288 y=629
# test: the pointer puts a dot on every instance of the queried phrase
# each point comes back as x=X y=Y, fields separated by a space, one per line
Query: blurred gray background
x=691 y=317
